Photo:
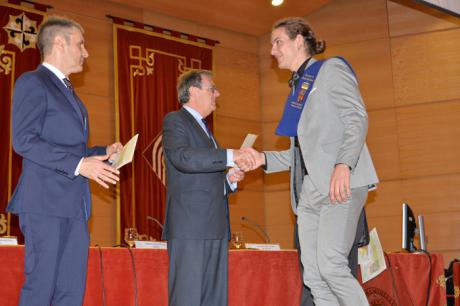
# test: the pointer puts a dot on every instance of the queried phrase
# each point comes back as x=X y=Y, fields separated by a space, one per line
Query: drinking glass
x=237 y=240
x=131 y=236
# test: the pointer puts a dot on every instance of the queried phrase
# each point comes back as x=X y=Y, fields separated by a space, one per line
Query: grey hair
x=52 y=27
x=191 y=78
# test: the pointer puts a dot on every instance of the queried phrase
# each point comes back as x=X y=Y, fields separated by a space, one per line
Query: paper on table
x=371 y=258
x=126 y=156
x=249 y=141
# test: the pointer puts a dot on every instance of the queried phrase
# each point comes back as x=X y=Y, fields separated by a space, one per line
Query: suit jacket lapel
x=199 y=130
x=63 y=89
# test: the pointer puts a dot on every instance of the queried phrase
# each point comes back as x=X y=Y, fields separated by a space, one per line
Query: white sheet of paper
x=249 y=141
x=263 y=246
x=371 y=258
x=8 y=240
x=126 y=156
x=141 y=244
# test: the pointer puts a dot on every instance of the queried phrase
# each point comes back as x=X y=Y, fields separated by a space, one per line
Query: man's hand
x=244 y=160
x=94 y=168
x=339 y=189
x=113 y=150
x=259 y=157
x=235 y=175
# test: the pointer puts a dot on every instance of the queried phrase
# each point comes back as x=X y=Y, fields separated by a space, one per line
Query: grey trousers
x=327 y=233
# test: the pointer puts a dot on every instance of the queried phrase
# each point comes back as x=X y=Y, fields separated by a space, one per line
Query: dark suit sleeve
x=188 y=158
x=97 y=150
x=28 y=116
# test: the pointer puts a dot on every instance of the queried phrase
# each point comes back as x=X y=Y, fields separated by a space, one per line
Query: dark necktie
x=69 y=86
x=208 y=129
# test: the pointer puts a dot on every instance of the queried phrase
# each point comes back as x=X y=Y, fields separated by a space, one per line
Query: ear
x=59 y=41
x=299 y=41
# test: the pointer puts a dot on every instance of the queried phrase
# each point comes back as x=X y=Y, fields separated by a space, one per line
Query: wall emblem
x=22 y=32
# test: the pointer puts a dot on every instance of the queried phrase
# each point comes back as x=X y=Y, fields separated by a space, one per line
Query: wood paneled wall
x=407 y=60
x=236 y=75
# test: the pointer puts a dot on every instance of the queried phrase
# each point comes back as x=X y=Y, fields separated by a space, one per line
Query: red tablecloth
x=406 y=281
x=256 y=278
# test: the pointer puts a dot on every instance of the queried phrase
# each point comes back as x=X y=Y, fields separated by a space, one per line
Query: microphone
x=156 y=221
x=267 y=238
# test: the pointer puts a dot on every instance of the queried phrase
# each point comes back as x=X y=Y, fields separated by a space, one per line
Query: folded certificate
x=371 y=258
x=249 y=141
x=126 y=156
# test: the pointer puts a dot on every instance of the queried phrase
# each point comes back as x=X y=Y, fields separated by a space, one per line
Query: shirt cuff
x=233 y=186
x=77 y=170
x=230 y=162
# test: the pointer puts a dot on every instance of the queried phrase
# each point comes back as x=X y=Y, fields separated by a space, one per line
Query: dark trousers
x=198 y=272
x=56 y=257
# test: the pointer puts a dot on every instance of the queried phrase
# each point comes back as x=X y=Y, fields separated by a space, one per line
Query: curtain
x=18 y=54
x=147 y=65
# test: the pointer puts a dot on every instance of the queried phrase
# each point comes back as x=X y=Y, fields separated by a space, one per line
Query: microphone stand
x=157 y=222
x=267 y=238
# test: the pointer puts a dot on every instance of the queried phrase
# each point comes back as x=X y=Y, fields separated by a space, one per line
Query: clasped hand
x=248 y=159
x=95 y=167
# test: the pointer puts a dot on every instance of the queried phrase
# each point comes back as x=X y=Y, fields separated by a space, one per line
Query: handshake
x=246 y=159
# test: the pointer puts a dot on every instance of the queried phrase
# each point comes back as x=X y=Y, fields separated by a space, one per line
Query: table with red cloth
x=265 y=278
x=407 y=279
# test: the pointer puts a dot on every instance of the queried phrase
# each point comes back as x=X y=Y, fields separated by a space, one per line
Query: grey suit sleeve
x=185 y=157
x=277 y=161
x=345 y=95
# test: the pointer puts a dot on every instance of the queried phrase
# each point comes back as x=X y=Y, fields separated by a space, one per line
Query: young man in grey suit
x=331 y=168
x=197 y=220
x=52 y=198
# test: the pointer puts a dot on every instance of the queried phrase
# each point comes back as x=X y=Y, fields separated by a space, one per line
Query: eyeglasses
x=211 y=89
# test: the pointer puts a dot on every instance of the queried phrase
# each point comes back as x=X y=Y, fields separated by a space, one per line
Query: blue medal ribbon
x=297 y=99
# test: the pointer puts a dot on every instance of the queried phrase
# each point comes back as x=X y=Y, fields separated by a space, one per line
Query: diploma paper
x=249 y=141
x=126 y=156
x=371 y=258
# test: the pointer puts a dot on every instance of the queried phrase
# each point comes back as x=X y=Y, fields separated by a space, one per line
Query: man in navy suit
x=197 y=220
x=52 y=198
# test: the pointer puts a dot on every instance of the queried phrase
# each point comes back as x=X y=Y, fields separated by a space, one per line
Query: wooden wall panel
x=433 y=194
x=428 y=138
x=230 y=132
x=97 y=77
x=389 y=231
x=237 y=79
x=426 y=67
x=279 y=218
x=278 y=208
x=386 y=200
x=249 y=204
x=344 y=21
x=409 y=17
x=282 y=234
x=371 y=60
x=227 y=39
x=382 y=140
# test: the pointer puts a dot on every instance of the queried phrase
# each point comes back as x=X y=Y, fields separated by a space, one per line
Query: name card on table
x=143 y=244
x=7 y=240
x=263 y=246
